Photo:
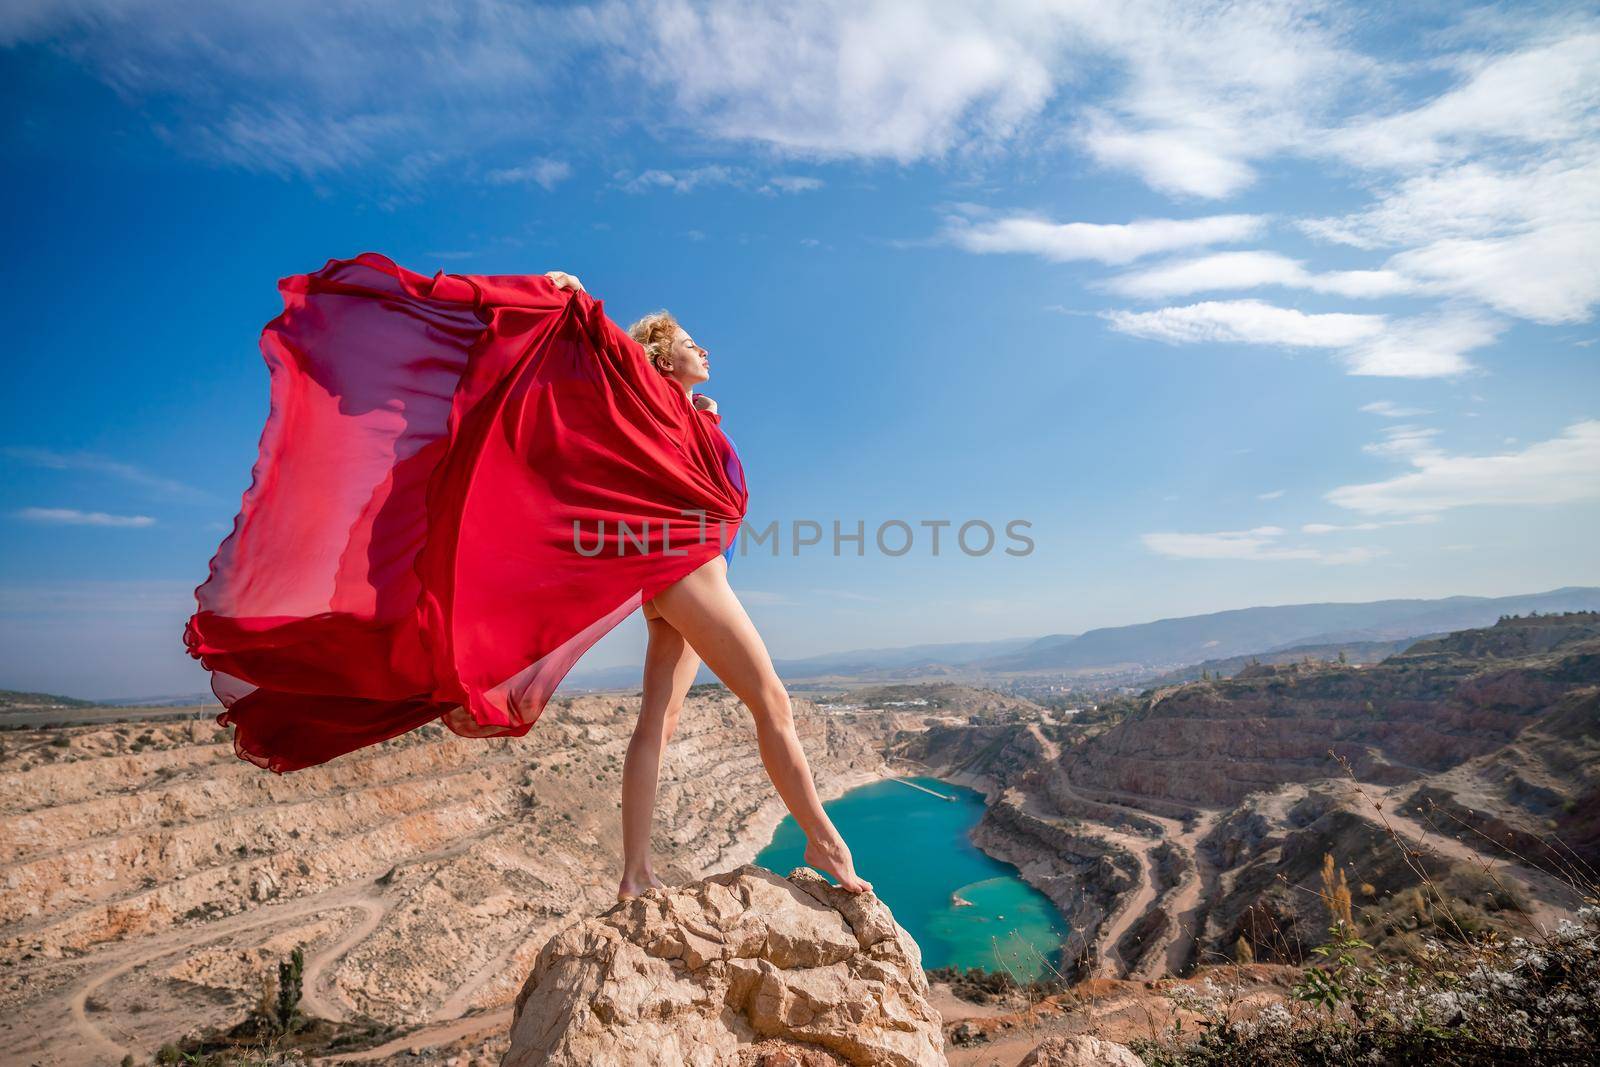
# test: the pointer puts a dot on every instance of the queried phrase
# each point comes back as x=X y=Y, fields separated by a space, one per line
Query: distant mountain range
x=1156 y=647
x=1177 y=642
x=865 y=663
x=1164 y=645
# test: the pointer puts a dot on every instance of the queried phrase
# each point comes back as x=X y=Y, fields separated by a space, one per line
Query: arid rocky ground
x=1200 y=815
x=153 y=881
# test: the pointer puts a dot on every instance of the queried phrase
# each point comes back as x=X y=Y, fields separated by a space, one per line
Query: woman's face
x=690 y=363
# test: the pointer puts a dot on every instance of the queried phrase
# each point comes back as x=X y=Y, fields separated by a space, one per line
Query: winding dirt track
x=312 y=1000
x=110 y=1045
x=1549 y=899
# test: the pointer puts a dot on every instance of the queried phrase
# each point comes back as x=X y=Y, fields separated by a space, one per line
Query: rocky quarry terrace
x=454 y=898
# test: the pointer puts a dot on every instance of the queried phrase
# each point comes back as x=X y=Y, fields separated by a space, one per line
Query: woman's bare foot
x=834 y=858
x=634 y=884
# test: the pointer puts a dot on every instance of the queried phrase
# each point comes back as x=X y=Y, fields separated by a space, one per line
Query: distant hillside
x=1167 y=645
x=1353 y=651
x=856 y=663
x=1194 y=639
x=11 y=700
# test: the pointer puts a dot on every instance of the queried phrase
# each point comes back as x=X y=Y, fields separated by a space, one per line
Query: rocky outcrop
x=1080 y=1050
x=739 y=968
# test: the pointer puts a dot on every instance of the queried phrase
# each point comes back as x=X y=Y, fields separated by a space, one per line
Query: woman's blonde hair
x=654 y=333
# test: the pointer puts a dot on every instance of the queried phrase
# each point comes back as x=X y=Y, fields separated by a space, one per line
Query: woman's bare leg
x=669 y=669
x=703 y=608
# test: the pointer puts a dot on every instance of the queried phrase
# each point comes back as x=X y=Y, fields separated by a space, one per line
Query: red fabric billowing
x=405 y=550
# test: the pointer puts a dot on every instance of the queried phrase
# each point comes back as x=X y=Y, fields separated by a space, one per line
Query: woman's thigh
x=670 y=662
x=705 y=610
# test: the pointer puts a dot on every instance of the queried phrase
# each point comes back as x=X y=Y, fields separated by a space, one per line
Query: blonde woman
x=700 y=618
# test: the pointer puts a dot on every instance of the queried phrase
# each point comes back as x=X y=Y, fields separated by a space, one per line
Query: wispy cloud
x=1417 y=347
x=1390 y=410
x=130 y=473
x=1252 y=270
x=762 y=597
x=1497 y=190
x=548 y=173
x=75 y=517
x=712 y=175
x=1263 y=543
x=1318 y=528
x=792 y=183
x=836 y=79
x=1557 y=471
x=1534 y=96
x=1275 y=494
x=683 y=181
x=1114 y=243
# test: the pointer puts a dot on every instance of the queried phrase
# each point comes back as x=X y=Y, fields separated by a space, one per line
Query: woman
x=702 y=612
x=464 y=482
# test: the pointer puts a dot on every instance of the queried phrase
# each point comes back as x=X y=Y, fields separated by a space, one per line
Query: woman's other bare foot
x=635 y=883
x=834 y=858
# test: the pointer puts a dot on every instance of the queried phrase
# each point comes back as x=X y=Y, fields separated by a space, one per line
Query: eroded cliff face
x=152 y=879
x=1203 y=816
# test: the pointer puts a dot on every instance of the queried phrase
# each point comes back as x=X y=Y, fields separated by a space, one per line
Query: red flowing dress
x=464 y=482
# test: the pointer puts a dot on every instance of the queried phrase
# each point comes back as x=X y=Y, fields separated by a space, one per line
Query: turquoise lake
x=913 y=848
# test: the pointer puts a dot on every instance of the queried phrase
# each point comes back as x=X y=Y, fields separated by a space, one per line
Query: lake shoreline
x=915 y=841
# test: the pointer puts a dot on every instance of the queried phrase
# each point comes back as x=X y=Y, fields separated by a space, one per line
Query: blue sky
x=1234 y=304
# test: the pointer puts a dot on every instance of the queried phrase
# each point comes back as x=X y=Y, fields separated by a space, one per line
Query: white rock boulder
x=740 y=968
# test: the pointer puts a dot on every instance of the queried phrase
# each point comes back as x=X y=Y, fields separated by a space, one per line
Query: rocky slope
x=1201 y=817
x=740 y=968
x=152 y=880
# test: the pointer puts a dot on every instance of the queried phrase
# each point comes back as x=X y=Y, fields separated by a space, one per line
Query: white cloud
x=683 y=181
x=791 y=183
x=1390 y=410
x=843 y=78
x=1273 y=495
x=75 y=517
x=1405 y=442
x=316 y=88
x=1515 y=235
x=1248 y=322
x=710 y=175
x=546 y=172
x=1250 y=270
x=1124 y=242
x=1261 y=543
x=1209 y=90
x=1424 y=346
x=1549 y=274
x=1539 y=95
x=1317 y=528
x=1323 y=527
x=1420 y=347
x=874 y=79
x=1558 y=471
